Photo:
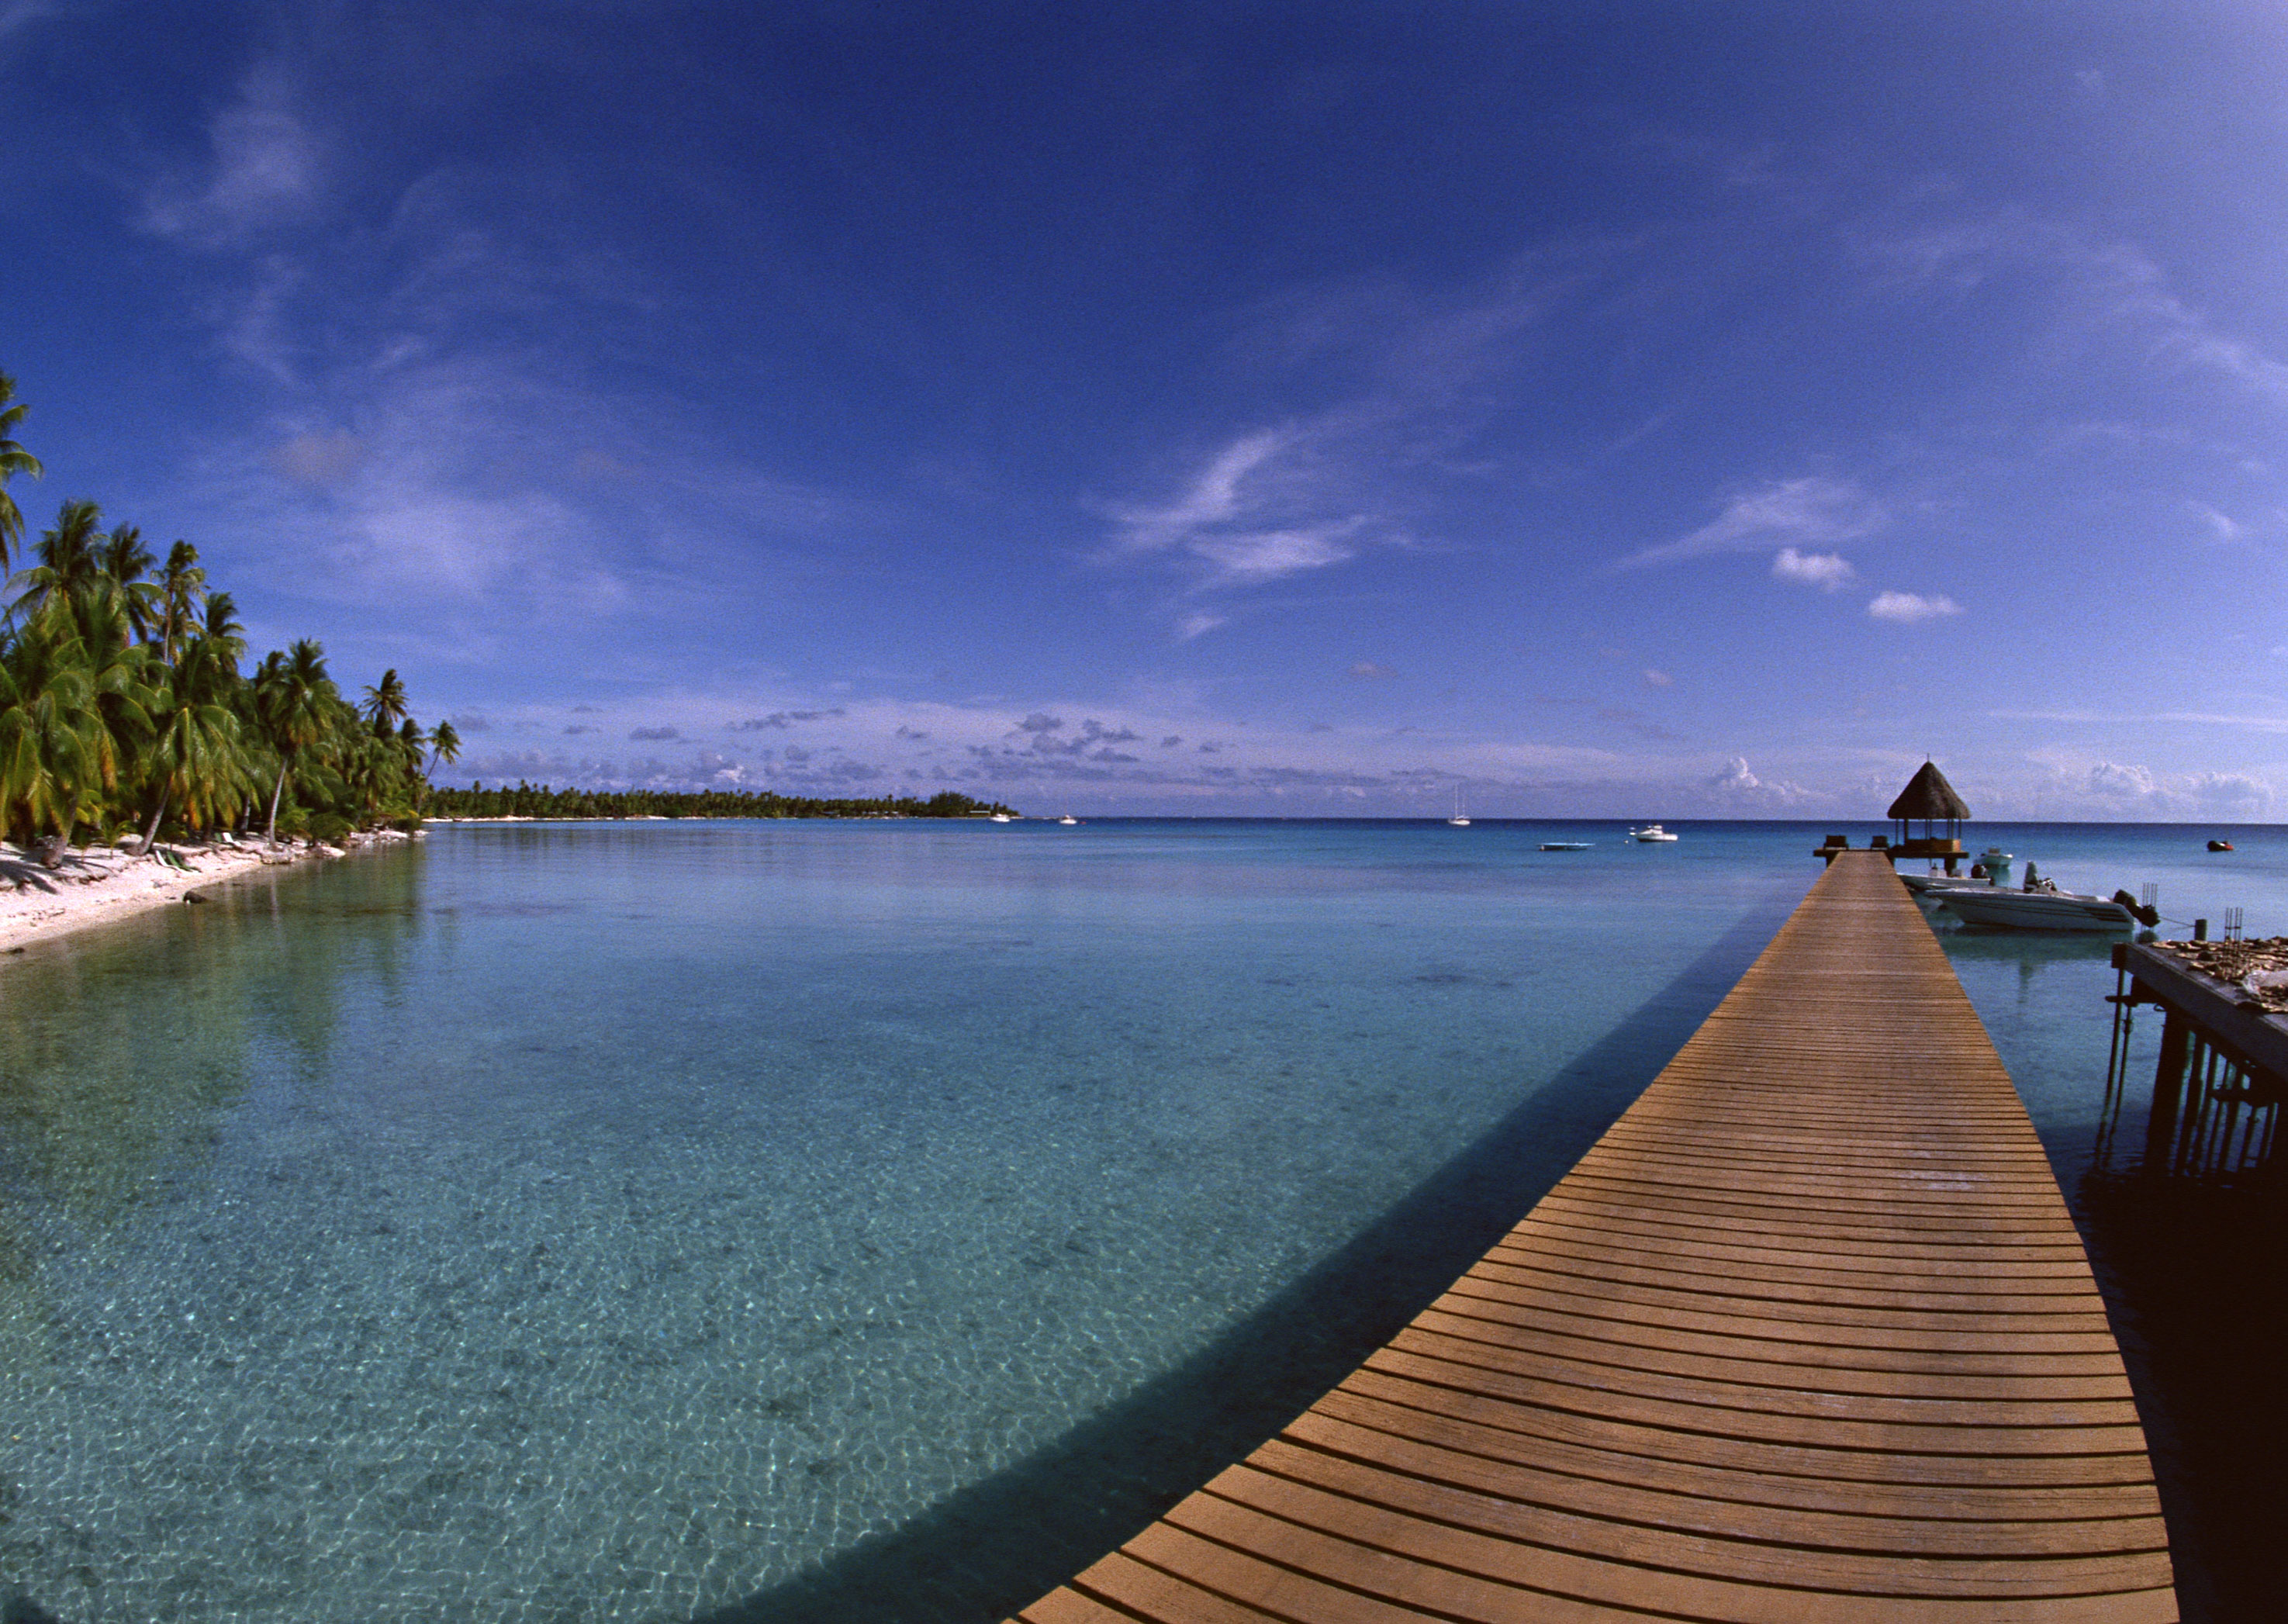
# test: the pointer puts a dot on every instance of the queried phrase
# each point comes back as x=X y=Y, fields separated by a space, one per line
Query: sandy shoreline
x=95 y=886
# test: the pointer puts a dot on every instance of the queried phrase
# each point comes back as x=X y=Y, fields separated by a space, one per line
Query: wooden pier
x=1808 y=1335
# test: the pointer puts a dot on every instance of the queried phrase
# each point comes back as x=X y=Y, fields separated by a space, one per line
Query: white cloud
x=1657 y=680
x=1736 y=785
x=1813 y=510
x=268 y=166
x=2116 y=781
x=1198 y=624
x=1369 y=670
x=1907 y=608
x=1252 y=559
x=2231 y=794
x=1212 y=498
x=1829 y=571
x=2222 y=526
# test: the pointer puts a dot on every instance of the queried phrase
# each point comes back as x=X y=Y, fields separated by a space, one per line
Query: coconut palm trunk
x=151 y=832
x=277 y=790
x=55 y=853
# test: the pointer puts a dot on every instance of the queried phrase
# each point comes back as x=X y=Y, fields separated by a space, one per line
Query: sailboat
x=1457 y=820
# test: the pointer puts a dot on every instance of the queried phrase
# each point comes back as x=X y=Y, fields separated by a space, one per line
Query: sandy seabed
x=95 y=885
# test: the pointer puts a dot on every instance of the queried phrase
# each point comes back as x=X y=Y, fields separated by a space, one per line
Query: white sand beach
x=95 y=885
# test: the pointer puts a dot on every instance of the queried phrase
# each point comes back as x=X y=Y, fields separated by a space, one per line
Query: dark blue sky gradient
x=1611 y=409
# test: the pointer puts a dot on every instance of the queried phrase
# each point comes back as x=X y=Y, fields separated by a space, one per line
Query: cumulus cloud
x=2115 y=781
x=1734 y=784
x=1907 y=608
x=1829 y=571
x=1813 y=510
x=2231 y=794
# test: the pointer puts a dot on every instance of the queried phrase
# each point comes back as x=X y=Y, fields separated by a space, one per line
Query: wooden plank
x=1808 y=1335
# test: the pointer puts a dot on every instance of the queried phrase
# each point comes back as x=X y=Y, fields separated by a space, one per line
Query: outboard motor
x=2147 y=916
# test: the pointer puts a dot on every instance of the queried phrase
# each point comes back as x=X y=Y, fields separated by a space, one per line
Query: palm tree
x=74 y=709
x=125 y=562
x=182 y=584
x=384 y=703
x=444 y=745
x=70 y=562
x=196 y=755
x=223 y=630
x=294 y=699
x=13 y=460
x=46 y=696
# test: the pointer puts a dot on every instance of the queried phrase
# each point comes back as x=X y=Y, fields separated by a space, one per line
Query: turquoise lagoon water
x=770 y=1221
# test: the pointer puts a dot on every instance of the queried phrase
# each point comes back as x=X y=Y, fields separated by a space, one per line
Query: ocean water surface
x=765 y=1221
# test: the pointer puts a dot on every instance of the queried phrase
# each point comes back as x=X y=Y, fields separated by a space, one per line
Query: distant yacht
x=1650 y=832
x=1004 y=818
x=1067 y=818
x=1457 y=820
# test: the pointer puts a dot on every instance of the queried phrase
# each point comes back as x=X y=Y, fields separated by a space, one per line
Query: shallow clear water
x=746 y=1220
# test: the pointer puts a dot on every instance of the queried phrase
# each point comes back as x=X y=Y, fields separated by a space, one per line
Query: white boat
x=1067 y=818
x=1457 y=820
x=1994 y=859
x=1650 y=832
x=1925 y=884
x=2035 y=910
x=1004 y=818
x=1565 y=845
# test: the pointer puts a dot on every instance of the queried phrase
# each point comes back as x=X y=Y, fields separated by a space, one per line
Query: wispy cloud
x=266 y=166
x=1910 y=608
x=1813 y=510
x=1829 y=571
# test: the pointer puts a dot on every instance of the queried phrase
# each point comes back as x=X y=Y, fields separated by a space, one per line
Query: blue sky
x=1308 y=408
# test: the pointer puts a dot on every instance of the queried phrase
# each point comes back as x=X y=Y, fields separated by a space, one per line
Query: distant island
x=526 y=801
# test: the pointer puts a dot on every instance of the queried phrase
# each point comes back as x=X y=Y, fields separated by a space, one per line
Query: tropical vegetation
x=126 y=710
x=527 y=801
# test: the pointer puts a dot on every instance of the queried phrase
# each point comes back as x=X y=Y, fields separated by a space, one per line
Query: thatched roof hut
x=1930 y=801
x=1928 y=798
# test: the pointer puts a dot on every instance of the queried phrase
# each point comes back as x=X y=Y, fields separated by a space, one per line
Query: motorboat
x=1005 y=818
x=1651 y=833
x=1565 y=845
x=1994 y=859
x=2040 y=910
x=1069 y=819
x=1923 y=885
x=2219 y=845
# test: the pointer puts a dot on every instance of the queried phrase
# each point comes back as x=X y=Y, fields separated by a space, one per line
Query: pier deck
x=1808 y=1334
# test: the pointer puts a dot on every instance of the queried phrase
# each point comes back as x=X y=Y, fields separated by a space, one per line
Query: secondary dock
x=1808 y=1335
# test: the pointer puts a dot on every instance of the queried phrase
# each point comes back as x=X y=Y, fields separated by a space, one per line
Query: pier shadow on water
x=987 y=1550
x=2195 y=1278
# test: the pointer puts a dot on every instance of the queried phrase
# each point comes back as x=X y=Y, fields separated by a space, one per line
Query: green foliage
x=526 y=801
x=331 y=828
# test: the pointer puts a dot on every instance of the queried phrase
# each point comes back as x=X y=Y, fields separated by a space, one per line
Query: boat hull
x=2037 y=910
